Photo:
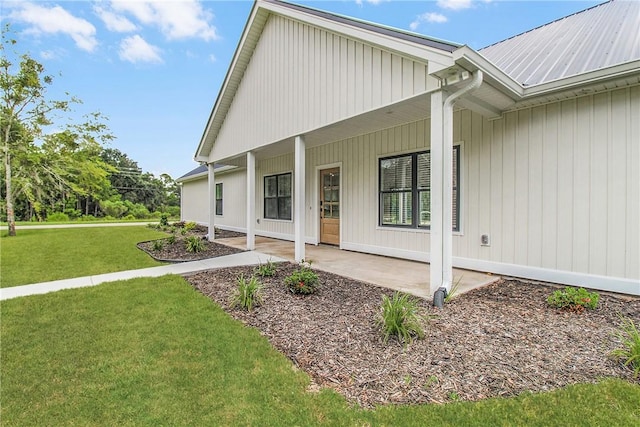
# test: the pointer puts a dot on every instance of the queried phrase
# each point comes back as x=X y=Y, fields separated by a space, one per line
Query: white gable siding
x=301 y=78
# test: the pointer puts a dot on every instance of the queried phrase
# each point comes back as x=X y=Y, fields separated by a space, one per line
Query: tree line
x=57 y=172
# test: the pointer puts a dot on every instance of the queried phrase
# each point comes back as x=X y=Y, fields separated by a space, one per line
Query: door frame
x=316 y=201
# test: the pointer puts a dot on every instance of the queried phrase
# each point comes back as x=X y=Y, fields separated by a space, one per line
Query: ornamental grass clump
x=247 y=294
x=399 y=318
x=573 y=299
x=158 y=245
x=303 y=280
x=194 y=244
x=629 y=337
x=266 y=270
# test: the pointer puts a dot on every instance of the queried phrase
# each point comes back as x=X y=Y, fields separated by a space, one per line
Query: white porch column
x=212 y=203
x=299 y=199
x=251 y=201
x=436 y=265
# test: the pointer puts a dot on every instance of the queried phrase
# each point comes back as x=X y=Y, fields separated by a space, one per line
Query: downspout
x=447 y=148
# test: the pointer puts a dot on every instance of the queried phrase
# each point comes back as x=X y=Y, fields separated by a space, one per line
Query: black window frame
x=219 y=200
x=281 y=216
x=415 y=191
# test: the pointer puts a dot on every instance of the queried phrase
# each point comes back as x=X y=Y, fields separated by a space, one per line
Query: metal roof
x=599 y=37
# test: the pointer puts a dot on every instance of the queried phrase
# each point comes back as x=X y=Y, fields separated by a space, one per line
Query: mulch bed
x=176 y=251
x=499 y=340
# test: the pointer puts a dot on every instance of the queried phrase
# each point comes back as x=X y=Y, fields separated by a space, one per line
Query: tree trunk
x=11 y=217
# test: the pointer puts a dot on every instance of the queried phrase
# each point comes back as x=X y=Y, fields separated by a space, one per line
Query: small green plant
x=399 y=318
x=247 y=294
x=164 y=220
x=573 y=299
x=453 y=292
x=453 y=396
x=158 y=245
x=432 y=380
x=266 y=270
x=183 y=231
x=58 y=217
x=303 y=280
x=171 y=239
x=189 y=225
x=629 y=336
x=407 y=379
x=194 y=244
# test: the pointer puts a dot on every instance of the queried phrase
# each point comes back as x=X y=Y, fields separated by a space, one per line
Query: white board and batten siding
x=301 y=78
x=556 y=187
x=195 y=200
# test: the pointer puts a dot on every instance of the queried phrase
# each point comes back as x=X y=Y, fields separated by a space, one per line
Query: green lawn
x=35 y=256
x=156 y=352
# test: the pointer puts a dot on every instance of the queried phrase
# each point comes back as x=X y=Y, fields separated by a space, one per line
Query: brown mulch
x=499 y=340
x=176 y=252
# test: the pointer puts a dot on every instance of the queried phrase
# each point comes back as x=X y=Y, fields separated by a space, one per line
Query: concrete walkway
x=242 y=258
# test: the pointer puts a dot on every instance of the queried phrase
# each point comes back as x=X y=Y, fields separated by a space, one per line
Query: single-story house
x=520 y=159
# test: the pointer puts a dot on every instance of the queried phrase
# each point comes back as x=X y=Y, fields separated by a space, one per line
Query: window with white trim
x=277 y=196
x=219 y=198
x=405 y=190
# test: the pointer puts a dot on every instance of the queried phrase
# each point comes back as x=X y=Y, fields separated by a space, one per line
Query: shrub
x=629 y=336
x=194 y=244
x=129 y=217
x=266 y=270
x=247 y=294
x=57 y=217
x=158 y=245
x=87 y=218
x=189 y=225
x=171 y=239
x=164 y=220
x=399 y=318
x=114 y=208
x=73 y=213
x=303 y=280
x=573 y=299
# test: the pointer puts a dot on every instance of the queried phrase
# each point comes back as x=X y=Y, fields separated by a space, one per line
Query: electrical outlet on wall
x=484 y=240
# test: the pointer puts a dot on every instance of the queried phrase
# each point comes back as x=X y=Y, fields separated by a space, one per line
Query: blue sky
x=154 y=68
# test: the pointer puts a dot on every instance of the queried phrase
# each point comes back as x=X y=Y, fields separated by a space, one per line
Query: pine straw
x=500 y=340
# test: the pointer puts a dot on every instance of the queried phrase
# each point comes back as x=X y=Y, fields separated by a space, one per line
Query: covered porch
x=398 y=274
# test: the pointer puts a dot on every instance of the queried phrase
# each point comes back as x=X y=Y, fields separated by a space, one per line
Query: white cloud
x=176 y=19
x=56 y=20
x=212 y=58
x=454 y=4
x=135 y=49
x=114 y=22
x=432 y=17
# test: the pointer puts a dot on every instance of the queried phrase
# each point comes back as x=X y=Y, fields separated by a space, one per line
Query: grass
x=156 y=352
x=35 y=256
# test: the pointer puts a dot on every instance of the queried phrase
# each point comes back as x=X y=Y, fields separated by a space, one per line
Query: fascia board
x=613 y=72
x=199 y=156
x=424 y=54
x=467 y=57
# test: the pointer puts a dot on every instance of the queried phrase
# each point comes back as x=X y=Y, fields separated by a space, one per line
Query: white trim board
x=592 y=281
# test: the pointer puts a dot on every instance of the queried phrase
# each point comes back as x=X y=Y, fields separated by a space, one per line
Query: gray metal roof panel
x=200 y=169
x=596 y=38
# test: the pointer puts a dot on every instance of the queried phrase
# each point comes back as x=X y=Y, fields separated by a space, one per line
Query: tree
x=35 y=167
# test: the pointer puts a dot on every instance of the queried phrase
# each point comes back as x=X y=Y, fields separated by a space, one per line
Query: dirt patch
x=499 y=340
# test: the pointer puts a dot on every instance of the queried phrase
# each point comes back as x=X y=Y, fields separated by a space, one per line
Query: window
x=277 y=196
x=219 y=198
x=405 y=190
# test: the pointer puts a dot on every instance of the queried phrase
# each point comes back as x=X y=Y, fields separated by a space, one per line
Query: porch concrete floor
x=407 y=276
